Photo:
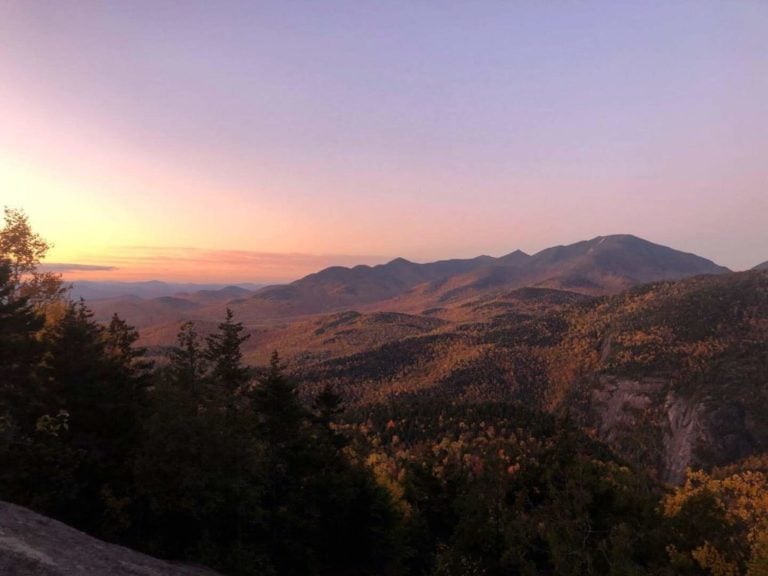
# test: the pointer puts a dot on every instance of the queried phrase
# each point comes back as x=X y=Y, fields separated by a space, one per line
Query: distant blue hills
x=95 y=290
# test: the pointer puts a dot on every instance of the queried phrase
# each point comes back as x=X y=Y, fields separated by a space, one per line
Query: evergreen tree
x=275 y=402
x=327 y=408
x=120 y=343
x=228 y=374
x=97 y=378
x=188 y=364
x=325 y=514
x=20 y=353
x=169 y=468
x=200 y=471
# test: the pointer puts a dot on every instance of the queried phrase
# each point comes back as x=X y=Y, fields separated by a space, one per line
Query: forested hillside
x=532 y=431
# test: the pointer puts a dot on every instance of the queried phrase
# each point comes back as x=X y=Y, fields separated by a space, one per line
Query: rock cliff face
x=34 y=545
x=645 y=417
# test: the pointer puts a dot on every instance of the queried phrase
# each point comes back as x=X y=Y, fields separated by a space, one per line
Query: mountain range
x=606 y=264
x=95 y=290
x=603 y=265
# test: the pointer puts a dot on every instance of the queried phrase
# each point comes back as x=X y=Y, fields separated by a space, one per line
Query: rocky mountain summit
x=34 y=545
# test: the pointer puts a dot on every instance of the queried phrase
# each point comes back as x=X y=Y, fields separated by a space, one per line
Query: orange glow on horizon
x=199 y=266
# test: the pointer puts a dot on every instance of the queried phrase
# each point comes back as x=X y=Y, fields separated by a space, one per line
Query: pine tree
x=228 y=373
x=325 y=515
x=96 y=377
x=188 y=363
x=276 y=404
x=327 y=408
x=201 y=466
x=20 y=353
x=120 y=339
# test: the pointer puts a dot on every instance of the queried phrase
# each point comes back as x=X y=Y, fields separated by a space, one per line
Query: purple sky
x=422 y=129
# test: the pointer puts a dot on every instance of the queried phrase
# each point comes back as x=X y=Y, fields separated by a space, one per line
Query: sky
x=259 y=141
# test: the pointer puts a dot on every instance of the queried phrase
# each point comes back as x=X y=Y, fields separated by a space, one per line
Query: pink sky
x=255 y=132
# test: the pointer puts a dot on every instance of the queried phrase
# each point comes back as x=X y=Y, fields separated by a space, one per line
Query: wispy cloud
x=62 y=267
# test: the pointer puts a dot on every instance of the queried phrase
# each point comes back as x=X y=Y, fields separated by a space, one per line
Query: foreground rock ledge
x=34 y=545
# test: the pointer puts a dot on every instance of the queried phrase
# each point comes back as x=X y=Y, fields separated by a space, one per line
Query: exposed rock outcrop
x=679 y=431
x=34 y=545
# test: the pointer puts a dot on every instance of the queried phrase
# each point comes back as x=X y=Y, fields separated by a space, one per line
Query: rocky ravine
x=648 y=415
x=34 y=545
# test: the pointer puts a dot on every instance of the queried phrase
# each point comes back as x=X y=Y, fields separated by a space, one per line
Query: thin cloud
x=61 y=267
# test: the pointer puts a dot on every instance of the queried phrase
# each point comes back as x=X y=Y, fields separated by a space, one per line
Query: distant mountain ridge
x=339 y=287
x=608 y=264
x=602 y=265
x=96 y=290
x=763 y=266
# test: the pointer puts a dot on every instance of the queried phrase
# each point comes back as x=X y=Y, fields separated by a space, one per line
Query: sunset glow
x=260 y=142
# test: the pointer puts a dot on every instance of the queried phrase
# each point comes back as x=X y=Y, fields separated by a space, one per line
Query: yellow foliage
x=387 y=475
x=711 y=559
x=758 y=560
x=743 y=497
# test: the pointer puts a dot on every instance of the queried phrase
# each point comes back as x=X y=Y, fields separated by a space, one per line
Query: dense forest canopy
x=205 y=458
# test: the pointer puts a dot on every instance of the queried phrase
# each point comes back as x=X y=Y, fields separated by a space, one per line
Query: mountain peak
x=513 y=258
x=399 y=261
x=619 y=239
x=516 y=253
x=617 y=261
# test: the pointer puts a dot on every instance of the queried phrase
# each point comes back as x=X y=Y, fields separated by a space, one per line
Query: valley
x=659 y=353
